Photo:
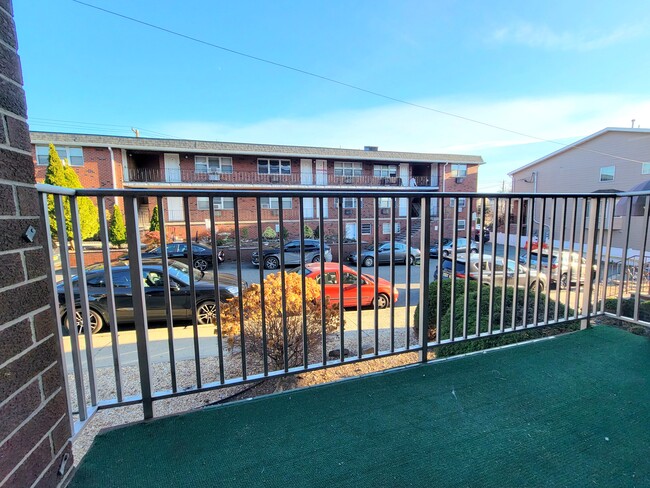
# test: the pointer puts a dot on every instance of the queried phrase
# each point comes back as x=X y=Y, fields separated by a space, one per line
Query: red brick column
x=34 y=421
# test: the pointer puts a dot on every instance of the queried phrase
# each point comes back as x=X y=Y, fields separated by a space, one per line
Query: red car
x=350 y=280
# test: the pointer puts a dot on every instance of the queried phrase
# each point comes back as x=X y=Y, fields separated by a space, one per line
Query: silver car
x=271 y=258
x=402 y=254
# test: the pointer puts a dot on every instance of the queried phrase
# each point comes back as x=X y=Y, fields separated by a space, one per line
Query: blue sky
x=554 y=70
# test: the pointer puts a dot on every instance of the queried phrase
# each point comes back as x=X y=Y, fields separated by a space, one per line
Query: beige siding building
x=611 y=160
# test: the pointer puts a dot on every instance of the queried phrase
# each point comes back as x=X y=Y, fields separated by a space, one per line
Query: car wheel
x=474 y=250
x=316 y=259
x=564 y=281
x=536 y=287
x=368 y=262
x=383 y=300
x=445 y=253
x=201 y=264
x=206 y=313
x=272 y=263
x=411 y=259
x=96 y=321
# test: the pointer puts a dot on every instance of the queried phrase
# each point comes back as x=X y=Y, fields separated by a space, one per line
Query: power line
x=342 y=83
x=73 y=124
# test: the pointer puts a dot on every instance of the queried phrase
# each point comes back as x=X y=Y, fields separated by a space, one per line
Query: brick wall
x=34 y=426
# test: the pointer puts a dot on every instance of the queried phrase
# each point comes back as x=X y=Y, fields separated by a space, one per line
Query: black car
x=152 y=274
x=433 y=250
x=291 y=255
x=201 y=255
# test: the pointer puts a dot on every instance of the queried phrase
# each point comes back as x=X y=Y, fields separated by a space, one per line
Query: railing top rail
x=314 y=190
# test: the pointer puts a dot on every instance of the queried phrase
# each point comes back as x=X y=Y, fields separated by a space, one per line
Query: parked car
x=201 y=255
x=560 y=264
x=402 y=254
x=485 y=233
x=152 y=274
x=350 y=281
x=433 y=250
x=460 y=247
x=291 y=256
x=493 y=272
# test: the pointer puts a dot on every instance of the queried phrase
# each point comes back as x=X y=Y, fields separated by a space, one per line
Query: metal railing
x=157 y=175
x=247 y=337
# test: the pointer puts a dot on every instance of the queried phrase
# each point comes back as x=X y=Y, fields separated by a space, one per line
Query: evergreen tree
x=116 y=228
x=155 y=220
x=55 y=175
x=88 y=213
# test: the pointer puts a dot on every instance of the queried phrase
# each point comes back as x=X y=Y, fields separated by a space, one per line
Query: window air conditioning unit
x=266 y=205
x=214 y=176
x=385 y=211
x=347 y=211
x=347 y=180
x=274 y=179
x=460 y=179
x=217 y=213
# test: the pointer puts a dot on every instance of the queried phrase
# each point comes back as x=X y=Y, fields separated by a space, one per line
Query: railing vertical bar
x=468 y=267
x=425 y=241
x=481 y=251
x=283 y=294
x=641 y=267
x=240 y=291
x=139 y=304
x=43 y=202
x=580 y=277
x=623 y=274
x=551 y=249
x=359 y=274
x=530 y=223
x=110 y=297
x=424 y=287
x=303 y=284
x=391 y=304
x=454 y=258
x=506 y=255
x=540 y=244
x=83 y=298
x=592 y=244
x=495 y=228
x=515 y=291
x=217 y=292
x=193 y=305
x=569 y=280
x=341 y=234
x=598 y=258
x=407 y=265
x=611 y=206
x=70 y=305
x=376 y=276
x=169 y=312
x=551 y=272
x=260 y=254
x=323 y=303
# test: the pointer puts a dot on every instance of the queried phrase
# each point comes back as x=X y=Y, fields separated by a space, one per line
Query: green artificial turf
x=568 y=411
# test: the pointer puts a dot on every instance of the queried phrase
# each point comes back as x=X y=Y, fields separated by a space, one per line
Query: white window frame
x=645 y=168
x=384 y=202
x=607 y=168
x=385 y=227
x=43 y=155
x=220 y=203
x=212 y=165
x=265 y=166
x=462 y=201
x=458 y=170
x=385 y=171
x=366 y=229
x=462 y=225
x=273 y=203
x=348 y=169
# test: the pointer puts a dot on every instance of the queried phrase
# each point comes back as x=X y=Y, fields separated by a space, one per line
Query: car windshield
x=302 y=270
x=181 y=272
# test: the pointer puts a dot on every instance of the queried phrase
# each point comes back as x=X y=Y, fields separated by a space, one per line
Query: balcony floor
x=567 y=411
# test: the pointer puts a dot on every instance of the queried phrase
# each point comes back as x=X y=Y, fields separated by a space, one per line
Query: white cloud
x=405 y=128
x=541 y=36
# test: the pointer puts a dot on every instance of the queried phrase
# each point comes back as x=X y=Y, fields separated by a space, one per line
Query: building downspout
x=114 y=181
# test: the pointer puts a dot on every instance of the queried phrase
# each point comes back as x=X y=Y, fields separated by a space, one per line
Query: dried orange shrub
x=274 y=326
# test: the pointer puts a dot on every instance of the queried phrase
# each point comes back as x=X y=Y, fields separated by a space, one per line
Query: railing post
x=139 y=305
x=591 y=252
x=425 y=238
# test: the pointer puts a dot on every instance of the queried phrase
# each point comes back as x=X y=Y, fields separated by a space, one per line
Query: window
x=434 y=207
x=347 y=169
x=73 y=155
x=348 y=202
x=384 y=202
x=220 y=203
x=385 y=171
x=273 y=203
x=366 y=229
x=607 y=173
x=458 y=170
x=274 y=166
x=645 y=169
x=462 y=201
x=212 y=164
x=461 y=225
x=386 y=228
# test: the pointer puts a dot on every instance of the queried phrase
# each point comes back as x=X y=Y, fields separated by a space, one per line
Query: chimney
x=371 y=148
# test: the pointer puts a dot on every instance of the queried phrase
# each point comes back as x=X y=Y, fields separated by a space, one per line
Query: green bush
x=522 y=315
x=269 y=234
x=627 y=308
x=309 y=233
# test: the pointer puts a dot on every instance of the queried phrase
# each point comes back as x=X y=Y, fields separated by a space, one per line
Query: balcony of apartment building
x=547 y=385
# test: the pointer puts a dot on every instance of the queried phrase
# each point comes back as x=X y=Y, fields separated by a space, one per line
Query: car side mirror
x=173 y=286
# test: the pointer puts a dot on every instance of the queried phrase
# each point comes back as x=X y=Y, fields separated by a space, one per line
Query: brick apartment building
x=132 y=162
